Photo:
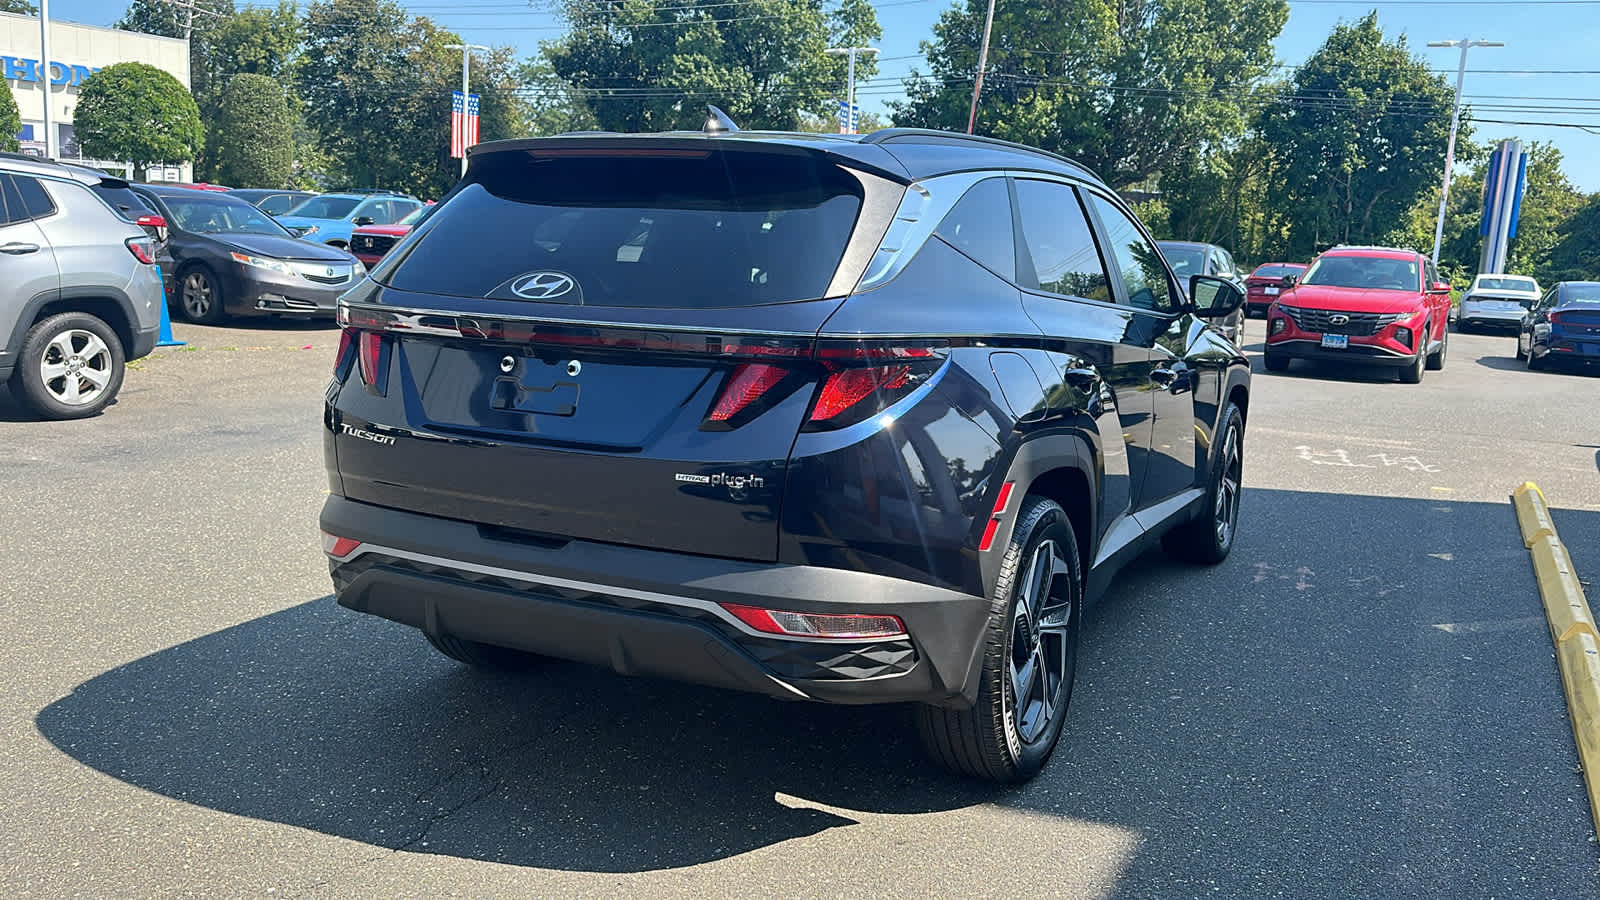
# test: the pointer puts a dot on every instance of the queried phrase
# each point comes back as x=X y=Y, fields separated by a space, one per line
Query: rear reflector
x=999 y=510
x=817 y=625
x=338 y=547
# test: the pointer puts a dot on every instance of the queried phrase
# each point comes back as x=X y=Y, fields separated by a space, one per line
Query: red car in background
x=1262 y=285
x=370 y=242
x=1374 y=306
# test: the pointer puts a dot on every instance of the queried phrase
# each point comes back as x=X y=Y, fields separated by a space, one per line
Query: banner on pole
x=849 y=117
x=463 y=123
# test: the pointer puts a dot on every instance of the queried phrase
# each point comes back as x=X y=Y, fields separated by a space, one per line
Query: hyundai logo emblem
x=1338 y=320
x=542 y=285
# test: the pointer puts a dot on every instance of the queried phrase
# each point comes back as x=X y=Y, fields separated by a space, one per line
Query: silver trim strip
x=650 y=596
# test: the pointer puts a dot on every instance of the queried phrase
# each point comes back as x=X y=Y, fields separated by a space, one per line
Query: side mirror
x=364 y=220
x=1214 y=297
x=1439 y=287
x=1288 y=281
x=297 y=230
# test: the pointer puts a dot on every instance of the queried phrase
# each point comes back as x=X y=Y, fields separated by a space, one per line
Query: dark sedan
x=227 y=258
x=1192 y=258
x=1563 y=325
x=271 y=202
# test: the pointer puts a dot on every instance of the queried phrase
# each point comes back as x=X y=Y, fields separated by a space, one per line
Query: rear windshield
x=1378 y=273
x=683 y=229
x=1276 y=271
x=325 y=207
x=1185 y=261
x=122 y=199
x=1505 y=284
x=1581 y=290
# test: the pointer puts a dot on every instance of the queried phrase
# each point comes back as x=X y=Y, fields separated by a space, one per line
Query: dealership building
x=76 y=51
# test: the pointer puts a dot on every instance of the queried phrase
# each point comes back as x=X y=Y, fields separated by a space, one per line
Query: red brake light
x=143 y=249
x=862 y=379
x=151 y=222
x=749 y=382
x=848 y=387
x=1555 y=318
x=369 y=351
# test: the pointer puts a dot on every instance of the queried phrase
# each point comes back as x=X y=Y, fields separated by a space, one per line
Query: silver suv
x=80 y=293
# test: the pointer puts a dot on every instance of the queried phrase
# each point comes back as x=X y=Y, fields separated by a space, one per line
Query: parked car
x=192 y=185
x=271 y=202
x=225 y=257
x=1564 y=324
x=79 y=293
x=118 y=194
x=1376 y=306
x=1190 y=258
x=370 y=242
x=811 y=457
x=329 y=218
x=1263 y=285
x=1496 y=301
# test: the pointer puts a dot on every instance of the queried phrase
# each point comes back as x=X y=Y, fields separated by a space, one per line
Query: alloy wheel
x=197 y=295
x=76 y=367
x=1041 y=650
x=1226 y=514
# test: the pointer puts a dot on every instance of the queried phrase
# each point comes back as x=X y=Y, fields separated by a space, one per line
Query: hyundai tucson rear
x=777 y=413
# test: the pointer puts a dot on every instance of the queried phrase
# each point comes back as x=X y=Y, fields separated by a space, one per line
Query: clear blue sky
x=1550 y=60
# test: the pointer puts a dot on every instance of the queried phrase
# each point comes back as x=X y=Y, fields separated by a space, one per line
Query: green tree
x=1127 y=87
x=138 y=114
x=257 y=41
x=652 y=65
x=253 y=134
x=10 y=121
x=1357 y=137
x=22 y=7
x=195 y=21
x=550 y=105
x=853 y=24
x=1576 y=253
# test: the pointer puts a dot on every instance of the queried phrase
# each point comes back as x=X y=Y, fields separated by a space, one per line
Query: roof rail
x=932 y=135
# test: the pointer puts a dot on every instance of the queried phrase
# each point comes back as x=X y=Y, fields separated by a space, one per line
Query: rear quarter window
x=672 y=229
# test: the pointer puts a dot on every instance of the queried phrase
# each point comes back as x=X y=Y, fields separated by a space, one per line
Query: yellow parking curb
x=1572 y=628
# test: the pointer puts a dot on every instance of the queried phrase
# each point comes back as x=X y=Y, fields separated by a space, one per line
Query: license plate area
x=1270 y=290
x=559 y=399
x=1336 y=341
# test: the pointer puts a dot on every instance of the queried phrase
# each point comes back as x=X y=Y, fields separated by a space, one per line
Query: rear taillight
x=346 y=338
x=863 y=379
x=369 y=353
x=1556 y=318
x=143 y=249
x=748 y=390
x=850 y=626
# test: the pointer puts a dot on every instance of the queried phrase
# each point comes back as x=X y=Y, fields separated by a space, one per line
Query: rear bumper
x=1473 y=315
x=655 y=613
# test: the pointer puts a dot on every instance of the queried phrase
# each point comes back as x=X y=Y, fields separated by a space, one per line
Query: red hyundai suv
x=1369 y=305
x=1263 y=285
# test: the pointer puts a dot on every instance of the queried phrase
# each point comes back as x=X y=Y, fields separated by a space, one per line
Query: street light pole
x=1455 y=123
x=44 y=77
x=466 y=51
x=983 y=60
x=850 y=83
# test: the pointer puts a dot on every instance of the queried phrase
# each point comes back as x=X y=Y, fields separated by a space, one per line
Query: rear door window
x=1061 y=254
x=669 y=228
x=980 y=226
x=1144 y=277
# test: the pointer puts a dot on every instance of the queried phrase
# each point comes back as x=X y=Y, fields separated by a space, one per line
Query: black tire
x=1412 y=372
x=1436 y=360
x=484 y=656
x=991 y=741
x=1520 y=353
x=1275 y=362
x=1534 y=363
x=1208 y=539
x=66 y=356
x=200 y=296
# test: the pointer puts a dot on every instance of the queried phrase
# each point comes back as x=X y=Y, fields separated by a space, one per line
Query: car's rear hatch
x=610 y=340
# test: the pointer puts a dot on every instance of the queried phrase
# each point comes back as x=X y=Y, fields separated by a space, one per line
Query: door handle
x=1163 y=376
x=17 y=249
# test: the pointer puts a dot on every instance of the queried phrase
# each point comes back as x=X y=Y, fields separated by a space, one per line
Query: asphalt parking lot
x=1362 y=701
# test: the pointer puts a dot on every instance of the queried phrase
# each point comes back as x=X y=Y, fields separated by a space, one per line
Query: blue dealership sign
x=20 y=70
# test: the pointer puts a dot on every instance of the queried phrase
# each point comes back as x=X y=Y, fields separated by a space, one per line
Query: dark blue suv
x=855 y=420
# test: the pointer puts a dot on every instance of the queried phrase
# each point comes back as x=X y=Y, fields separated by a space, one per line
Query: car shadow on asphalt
x=1378 y=714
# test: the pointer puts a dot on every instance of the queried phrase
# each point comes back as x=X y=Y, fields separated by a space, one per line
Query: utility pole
x=1455 y=122
x=466 y=52
x=44 y=77
x=983 y=60
x=850 y=83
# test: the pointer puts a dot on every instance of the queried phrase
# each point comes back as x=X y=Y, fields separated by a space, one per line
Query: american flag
x=463 y=123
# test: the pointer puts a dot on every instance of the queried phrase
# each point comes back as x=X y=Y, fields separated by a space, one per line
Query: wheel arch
x=1062 y=467
x=108 y=304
